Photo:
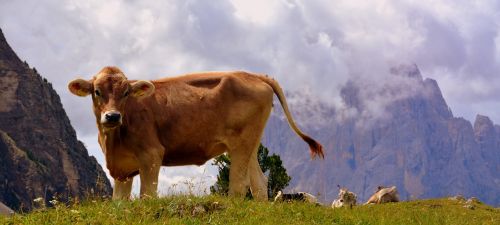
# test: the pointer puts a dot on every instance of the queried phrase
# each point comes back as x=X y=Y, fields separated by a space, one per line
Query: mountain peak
x=408 y=70
x=7 y=56
x=482 y=120
x=436 y=98
x=484 y=128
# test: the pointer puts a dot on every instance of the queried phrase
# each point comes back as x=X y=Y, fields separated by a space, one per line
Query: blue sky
x=315 y=45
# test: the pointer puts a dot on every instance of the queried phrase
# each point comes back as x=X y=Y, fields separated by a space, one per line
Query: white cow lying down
x=345 y=198
x=383 y=195
x=299 y=196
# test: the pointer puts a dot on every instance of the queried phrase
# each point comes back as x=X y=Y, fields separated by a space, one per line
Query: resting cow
x=383 y=195
x=299 y=196
x=345 y=198
x=184 y=120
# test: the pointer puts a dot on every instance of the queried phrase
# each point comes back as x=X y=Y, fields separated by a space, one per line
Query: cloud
x=316 y=45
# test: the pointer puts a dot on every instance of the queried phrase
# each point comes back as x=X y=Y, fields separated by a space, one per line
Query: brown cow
x=383 y=195
x=183 y=120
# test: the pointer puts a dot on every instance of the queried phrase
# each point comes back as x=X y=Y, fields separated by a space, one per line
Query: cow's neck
x=109 y=143
x=109 y=138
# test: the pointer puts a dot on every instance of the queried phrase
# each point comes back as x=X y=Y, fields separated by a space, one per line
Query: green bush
x=272 y=165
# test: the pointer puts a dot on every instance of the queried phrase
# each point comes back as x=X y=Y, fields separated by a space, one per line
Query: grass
x=224 y=210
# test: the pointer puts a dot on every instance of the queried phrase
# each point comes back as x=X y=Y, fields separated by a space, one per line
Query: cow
x=5 y=210
x=345 y=198
x=185 y=120
x=383 y=195
x=299 y=196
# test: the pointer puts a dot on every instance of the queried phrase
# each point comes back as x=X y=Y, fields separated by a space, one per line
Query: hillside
x=40 y=155
x=222 y=210
x=402 y=134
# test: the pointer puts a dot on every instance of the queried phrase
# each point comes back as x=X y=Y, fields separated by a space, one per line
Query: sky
x=312 y=46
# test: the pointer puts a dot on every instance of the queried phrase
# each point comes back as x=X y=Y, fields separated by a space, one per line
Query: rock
x=469 y=206
x=473 y=200
x=39 y=153
x=198 y=210
x=5 y=210
x=457 y=198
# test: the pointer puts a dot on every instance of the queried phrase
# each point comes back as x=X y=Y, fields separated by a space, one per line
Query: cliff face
x=417 y=145
x=40 y=155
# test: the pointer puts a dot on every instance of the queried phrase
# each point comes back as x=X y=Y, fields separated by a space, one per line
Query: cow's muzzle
x=111 y=119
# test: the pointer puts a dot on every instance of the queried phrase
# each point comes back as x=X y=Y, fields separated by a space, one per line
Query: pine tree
x=221 y=186
x=272 y=166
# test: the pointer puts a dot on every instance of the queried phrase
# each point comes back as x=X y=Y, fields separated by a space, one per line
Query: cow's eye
x=97 y=93
x=126 y=93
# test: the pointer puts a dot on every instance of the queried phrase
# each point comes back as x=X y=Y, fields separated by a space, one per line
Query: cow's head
x=110 y=90
x=379 y=188
x=342 y=195
x=345 y=196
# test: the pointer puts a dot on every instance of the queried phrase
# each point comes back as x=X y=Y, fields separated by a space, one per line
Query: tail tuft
x=315 y=147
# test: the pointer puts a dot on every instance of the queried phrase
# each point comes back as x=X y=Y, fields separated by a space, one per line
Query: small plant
x=39 y=203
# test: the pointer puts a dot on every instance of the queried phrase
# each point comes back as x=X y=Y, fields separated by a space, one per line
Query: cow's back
x=201 y=114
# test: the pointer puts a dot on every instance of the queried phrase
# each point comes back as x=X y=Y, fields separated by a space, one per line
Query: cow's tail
x=315 y=147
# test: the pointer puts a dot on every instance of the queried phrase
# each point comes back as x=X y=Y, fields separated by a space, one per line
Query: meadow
x=211 y=209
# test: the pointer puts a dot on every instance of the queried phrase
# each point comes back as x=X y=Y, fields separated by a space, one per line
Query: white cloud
x=256 y=11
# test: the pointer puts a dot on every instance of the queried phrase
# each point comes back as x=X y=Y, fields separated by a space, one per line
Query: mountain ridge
x=41 y=156
x=412 y=141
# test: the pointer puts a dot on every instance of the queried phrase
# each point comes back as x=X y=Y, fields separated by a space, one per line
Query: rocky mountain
x=415 y=143
x=40 y=155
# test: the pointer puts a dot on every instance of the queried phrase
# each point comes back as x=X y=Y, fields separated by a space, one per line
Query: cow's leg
x=149 y=169
x=149 y=180
x=243 y=153
x=258 y=181
x=122 y=189
x=238 y=174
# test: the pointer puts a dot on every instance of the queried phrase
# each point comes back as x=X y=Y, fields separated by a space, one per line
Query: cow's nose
x=112 y=117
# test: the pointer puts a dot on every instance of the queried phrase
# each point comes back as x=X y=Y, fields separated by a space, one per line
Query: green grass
x=223 y=210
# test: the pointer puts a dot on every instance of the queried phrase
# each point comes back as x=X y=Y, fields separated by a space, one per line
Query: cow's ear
x=142 y=88
x=80 y=87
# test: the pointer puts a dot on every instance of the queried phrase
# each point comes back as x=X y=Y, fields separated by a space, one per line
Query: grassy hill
x=223 y=210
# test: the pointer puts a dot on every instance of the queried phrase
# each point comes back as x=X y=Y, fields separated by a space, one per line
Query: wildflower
x=38 y=200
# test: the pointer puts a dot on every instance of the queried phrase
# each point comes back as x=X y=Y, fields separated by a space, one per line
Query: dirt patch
x=188 y=209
